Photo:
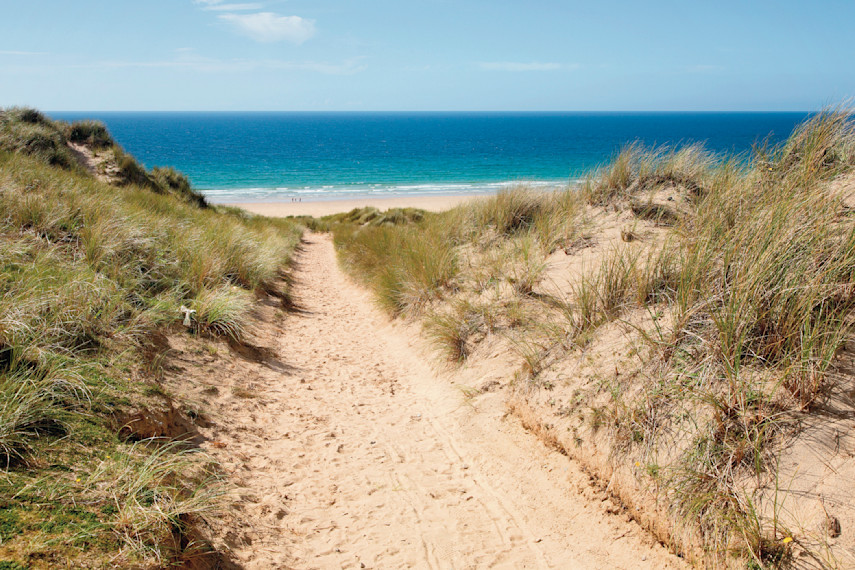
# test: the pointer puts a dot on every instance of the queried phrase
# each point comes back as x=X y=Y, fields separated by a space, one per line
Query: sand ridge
x=350 y=451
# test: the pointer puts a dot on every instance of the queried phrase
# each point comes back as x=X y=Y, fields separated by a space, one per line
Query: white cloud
x=270 y=27
x=520 y=66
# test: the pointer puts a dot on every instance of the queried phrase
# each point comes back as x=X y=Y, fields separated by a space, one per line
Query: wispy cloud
x=266 y=27
x=269 y=27
x=523 y=66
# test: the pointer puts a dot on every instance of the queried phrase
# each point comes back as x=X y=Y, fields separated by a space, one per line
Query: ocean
x=246 y=157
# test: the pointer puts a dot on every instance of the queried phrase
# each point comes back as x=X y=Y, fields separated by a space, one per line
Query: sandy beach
x=324 y=208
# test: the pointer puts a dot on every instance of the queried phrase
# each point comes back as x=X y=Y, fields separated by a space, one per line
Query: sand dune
x=349 y=451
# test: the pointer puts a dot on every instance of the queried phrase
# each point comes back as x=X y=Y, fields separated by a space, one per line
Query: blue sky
x=535 y=55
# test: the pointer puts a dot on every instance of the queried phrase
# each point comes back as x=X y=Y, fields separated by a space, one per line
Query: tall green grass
x=91 y=275
x=757 y=279
x=763 y=261
x=28 y=131
x=637 y=169
x=91 y=133
x=414 y=261
x=408 y=266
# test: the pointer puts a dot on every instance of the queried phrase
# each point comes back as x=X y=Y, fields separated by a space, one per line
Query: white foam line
x=363 y=190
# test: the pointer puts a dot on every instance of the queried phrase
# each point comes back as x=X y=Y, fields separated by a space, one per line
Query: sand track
x=351 y=452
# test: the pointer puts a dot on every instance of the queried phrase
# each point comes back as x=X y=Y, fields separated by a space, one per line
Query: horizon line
x=416 y=111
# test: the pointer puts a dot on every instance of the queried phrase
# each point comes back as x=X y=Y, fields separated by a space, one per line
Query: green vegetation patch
x=90 y=133
x=27 y=131
x=444 y=264
x=91 y=275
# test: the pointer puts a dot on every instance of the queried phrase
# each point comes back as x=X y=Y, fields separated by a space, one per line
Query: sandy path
x=354 y=454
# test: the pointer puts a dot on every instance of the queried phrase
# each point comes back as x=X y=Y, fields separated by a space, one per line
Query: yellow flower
x=78 y=479
x=787 y=540
x=637 y=464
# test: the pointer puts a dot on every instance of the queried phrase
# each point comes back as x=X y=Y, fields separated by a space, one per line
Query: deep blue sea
x=236 y=157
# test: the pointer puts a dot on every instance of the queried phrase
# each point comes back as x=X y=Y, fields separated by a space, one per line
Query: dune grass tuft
x=638 y=169
x=414 y=261
x=90 y=133
x=408 y=266
x=28 y=131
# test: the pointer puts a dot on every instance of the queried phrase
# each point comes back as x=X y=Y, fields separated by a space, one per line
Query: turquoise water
x=319 y=156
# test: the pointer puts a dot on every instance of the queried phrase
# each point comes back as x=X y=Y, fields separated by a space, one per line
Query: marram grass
x=90 y=274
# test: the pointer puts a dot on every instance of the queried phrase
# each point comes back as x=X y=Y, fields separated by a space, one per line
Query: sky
x=426 y=55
